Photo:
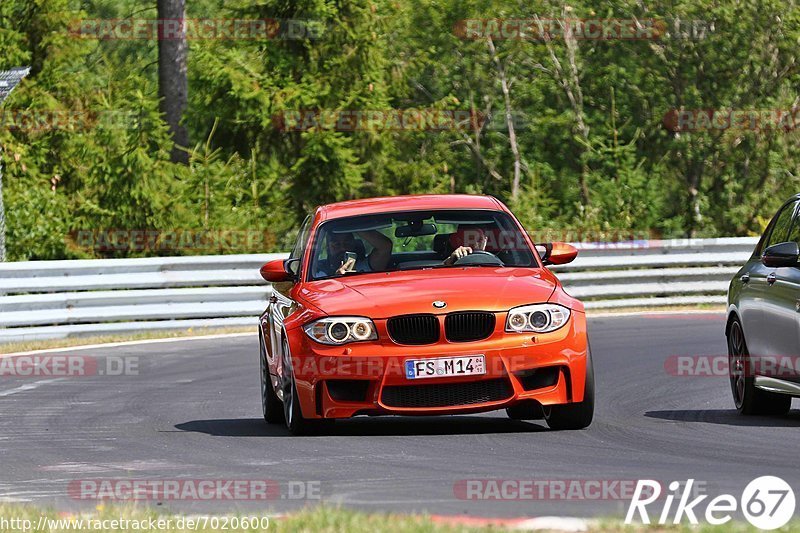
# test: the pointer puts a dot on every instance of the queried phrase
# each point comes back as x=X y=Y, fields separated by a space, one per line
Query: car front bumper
x=368 y=377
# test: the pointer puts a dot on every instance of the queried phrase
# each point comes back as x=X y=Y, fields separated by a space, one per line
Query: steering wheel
x=479 y=257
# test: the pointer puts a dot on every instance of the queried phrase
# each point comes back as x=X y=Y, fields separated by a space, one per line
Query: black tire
x=270 y=404
x=528 y=410
x=748 y=399
x=575 y=415
x=293 y=413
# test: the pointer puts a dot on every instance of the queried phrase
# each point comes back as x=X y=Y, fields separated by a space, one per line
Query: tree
x=173 y=84
x=8 y=80
x=561 y=119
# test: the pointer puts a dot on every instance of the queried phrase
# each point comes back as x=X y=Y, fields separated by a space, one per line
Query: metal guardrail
x=57 y=299
x=655 y=273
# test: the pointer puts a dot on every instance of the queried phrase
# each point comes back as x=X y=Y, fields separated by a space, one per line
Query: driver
x=466 y=241
x=341 y=243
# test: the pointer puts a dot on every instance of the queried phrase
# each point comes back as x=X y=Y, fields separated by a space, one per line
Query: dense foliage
x=589 y=151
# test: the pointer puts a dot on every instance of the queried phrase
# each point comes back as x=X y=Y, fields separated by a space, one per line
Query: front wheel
x=575 y=415
x=270 y=404
x=748 y=399
x=293 y=414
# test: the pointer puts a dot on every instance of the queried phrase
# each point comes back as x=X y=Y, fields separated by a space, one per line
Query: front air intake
x=447 y=394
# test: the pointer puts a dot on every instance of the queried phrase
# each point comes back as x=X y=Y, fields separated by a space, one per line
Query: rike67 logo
x=767 y=502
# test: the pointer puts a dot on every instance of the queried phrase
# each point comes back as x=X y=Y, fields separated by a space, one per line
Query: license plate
x=441 y=367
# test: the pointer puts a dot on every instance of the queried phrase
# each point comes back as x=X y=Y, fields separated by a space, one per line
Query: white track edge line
x=127 y=343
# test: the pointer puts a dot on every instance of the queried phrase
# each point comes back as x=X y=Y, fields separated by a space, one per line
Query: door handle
x=745 y=278
x=771 y=278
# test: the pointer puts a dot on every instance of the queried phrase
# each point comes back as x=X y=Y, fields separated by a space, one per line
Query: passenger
x=341 y=243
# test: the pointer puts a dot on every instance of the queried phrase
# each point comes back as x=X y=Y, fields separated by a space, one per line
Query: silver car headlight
x=341 y=330
x=538 y=318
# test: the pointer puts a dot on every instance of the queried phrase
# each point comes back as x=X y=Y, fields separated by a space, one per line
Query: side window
x=780 y=229
x=302 y=241
x=794 y=233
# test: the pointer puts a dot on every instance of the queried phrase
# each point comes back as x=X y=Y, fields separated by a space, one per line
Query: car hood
x=381 y=295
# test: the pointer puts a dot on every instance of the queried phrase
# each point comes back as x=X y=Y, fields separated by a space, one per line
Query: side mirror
x=784 y=254
x=557 y=253
x=276 y=271
x=292 y=266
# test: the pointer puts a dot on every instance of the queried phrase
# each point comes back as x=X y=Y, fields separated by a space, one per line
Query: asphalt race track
x=193 y=412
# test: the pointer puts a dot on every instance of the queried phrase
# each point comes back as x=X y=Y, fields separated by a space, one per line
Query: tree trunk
x=512 y=134
x=173 y=84
x=572 y=87
x=694 y=216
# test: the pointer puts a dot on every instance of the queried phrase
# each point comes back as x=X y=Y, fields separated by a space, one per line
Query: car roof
x=422 y=202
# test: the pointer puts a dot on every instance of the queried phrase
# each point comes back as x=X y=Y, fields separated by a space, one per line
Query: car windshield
x=416 y=240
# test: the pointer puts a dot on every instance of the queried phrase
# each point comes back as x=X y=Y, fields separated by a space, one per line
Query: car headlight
x=341 y=330
x=539 y=318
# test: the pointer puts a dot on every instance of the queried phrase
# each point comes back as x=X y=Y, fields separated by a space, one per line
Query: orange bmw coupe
x=422 y=305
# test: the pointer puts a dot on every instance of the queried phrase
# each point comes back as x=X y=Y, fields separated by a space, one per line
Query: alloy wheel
x=737 y=360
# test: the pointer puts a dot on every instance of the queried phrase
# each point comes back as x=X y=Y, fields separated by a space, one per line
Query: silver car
x=763 y=327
